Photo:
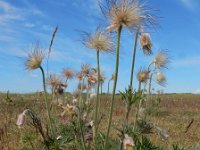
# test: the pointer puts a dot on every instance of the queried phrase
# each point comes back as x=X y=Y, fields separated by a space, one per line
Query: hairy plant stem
x=133 y=59
x=127 y=115
x=136 y=116
x=47 y=103
x=128 y=109
x=87 y=93
x=108 y=87
x=100 y=97
x=114 y=86
x=97 y=101
x=139 y=87
x=80 y=112
x=66 y=86
x=81 y=93
x=150 y=80
x=140 y=103
x=81 y=130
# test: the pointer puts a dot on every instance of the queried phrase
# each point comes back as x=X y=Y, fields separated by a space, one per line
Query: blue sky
x=23 y=22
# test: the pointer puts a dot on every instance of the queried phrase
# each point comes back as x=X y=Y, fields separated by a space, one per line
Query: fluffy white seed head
x=145 y=43
x=34 y=58
x=53 y=80
x=143 y=76
x=99 y=40
x=68 y=73
x=126 y=13
x=161 y=60
x=85 y=69
x=160 y=78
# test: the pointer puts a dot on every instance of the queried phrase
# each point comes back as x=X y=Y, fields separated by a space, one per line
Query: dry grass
x=174 y=115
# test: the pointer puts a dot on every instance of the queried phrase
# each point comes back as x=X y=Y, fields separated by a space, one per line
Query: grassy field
x=178 y=114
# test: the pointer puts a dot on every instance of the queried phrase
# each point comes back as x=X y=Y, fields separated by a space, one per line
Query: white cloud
x=47 y=28
x=5 y=6
x=190 y=4
x=33 y=75
x=11 y=13
x=6 y=38
x=58 y=3
x=197 y=91
x=190 y=61
x=29 y=25
x=91 y=6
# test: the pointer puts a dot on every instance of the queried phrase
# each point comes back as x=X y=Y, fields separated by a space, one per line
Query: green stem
x=97 y=100
x=114 y=86
x=108 y=87
x=136 y=116
x=140 y=104
x=139 y=87
x=100 y=97
x=81 y=130
x=150 y=80
x=47 y=101
x=127 y=115
x=87 y=92
x=133 y=59
x=66 y=86
x=101 y=88
x=81 y=93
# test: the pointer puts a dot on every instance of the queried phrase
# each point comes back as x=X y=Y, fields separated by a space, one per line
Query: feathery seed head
x=145 y=43
x=143 y=76
x=34 y=58
x=161 y=60
x=126 y=13
x=85 y=69
x=68 y=73
x=79 y=76
x=100 y=41
x=92 y=79
x=53 y=80
x=59 y=88
x=160 y=78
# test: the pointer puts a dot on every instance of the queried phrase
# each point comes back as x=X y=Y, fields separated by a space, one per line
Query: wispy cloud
x=197 y=91
x=190 y=4
x=11 y=13
x=190 y=61
x=6 y=38
x=34 y=75
x=47 y=28
x=91 y=7
x=29 y=25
